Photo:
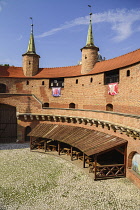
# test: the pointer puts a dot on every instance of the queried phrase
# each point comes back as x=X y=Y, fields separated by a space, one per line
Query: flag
x=56 y=92
x=113 y=89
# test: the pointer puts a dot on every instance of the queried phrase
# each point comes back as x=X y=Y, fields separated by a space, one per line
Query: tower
x=89 y=52
x=30 y=58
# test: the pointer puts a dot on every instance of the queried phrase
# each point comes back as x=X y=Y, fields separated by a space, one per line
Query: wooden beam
x=117 y=149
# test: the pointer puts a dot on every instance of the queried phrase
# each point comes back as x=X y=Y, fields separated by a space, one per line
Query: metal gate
x=8 y=124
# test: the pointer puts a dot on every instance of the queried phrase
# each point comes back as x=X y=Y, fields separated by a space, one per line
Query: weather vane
x=31 y=25
x=90 y=11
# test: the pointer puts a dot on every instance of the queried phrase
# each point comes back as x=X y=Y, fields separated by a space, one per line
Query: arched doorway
x=46 y=105
x=72 y=105
x=8 y=123
x=27 y=131
x=2 y=88
x=109 y=107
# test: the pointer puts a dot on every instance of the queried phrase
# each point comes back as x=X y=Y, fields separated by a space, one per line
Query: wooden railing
x=110 y=171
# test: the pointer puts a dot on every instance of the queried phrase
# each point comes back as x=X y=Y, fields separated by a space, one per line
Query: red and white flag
x=113 y=89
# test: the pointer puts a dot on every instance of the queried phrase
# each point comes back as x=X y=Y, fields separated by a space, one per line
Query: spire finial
x=90 y=13
x=31 y=25
x=90 y=41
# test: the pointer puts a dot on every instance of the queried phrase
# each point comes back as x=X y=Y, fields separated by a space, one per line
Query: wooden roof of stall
x=88 y=141
x=73 y=71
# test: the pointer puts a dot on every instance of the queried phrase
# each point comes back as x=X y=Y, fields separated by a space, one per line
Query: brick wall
x=86 y=92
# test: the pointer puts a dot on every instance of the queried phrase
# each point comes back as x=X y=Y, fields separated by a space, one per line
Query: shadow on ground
x=14 y=146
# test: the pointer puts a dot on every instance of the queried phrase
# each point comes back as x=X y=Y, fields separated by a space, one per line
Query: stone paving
x=33 y=180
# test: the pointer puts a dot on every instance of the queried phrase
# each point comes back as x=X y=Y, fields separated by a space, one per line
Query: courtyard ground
x=33 y=180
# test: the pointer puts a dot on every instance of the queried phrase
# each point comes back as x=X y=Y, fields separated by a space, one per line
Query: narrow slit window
x=128 y=73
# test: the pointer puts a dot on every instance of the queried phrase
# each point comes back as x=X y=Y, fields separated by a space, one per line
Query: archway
x=27 y=131
x=109 y=107
x=2 y=88
x=8 y=123
x=46 y=105
x=72 y=105
x=136 y=163
x=130 y=158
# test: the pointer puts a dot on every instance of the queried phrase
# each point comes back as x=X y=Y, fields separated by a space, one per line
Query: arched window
x=46 y=105
x=136 y=163
x=27 y=82
x=2 y=88
x=43 y=83
x=76 y=81
x=91 y=80
x=128 y=73
x=109 y=107
x=72 y=105
x=27 y=131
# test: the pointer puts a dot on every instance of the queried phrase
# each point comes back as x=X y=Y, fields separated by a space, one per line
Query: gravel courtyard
x=31 y=180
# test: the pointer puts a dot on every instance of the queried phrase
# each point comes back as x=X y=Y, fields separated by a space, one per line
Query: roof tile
x=73 y=71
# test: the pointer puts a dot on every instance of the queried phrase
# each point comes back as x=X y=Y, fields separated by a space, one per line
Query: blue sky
x=60 y=29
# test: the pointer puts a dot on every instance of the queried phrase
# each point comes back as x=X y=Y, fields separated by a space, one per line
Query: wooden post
x=125 y=158
x=71 y=151
x=83 y=160
x=45 y=146
x=30 y=142
x=95 y=161
x=58 y=148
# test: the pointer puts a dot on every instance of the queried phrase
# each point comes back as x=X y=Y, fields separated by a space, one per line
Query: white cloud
x=2 y=3
x=121 y=22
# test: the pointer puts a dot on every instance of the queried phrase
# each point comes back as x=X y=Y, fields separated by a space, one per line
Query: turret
x=30 y=58
x=89 y=52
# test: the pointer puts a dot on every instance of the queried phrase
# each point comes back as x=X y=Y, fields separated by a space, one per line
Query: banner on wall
x=113 y=89
x=56 y=92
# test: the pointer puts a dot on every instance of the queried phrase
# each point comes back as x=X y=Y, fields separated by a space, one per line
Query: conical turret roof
x=90 y=41
x=31 y=45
